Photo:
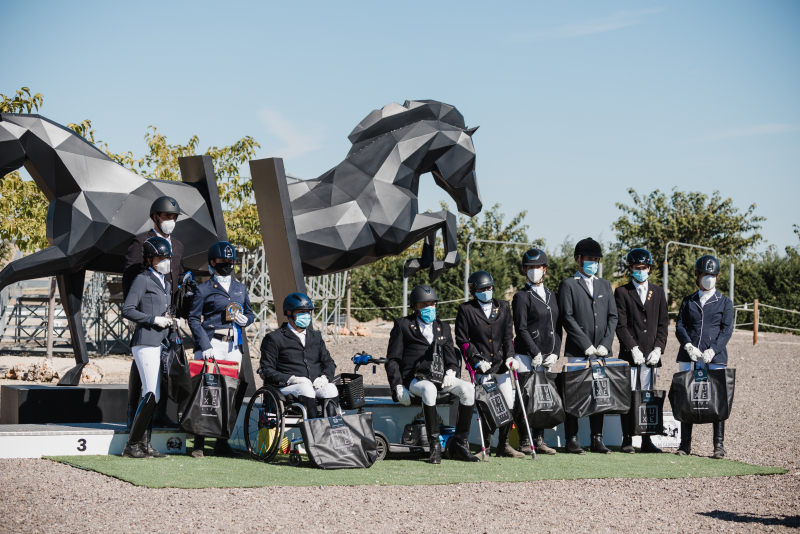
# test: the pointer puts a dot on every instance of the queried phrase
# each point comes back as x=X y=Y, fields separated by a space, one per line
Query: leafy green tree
x=656 y=219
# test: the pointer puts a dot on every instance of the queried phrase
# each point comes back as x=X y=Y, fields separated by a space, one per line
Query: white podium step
x=35 y=441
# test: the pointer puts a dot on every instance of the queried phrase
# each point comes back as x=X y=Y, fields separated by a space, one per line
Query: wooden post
x=50 y=314
x=755 y=322
x=347 y=318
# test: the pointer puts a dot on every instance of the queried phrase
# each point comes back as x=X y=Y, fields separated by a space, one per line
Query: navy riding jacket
x=210 y=303
x=705 y=327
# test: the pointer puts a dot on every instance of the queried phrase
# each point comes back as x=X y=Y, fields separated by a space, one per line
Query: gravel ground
x=763 y=430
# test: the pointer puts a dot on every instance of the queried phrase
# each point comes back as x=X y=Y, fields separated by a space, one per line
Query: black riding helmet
x=479 y=280
x=155 y=247
x=638 y=256
x=707 y=265
x=165 y=205
x=534 y=256
x=423 y=293
x=222 y=251
x=588 y=247
x=297 y=302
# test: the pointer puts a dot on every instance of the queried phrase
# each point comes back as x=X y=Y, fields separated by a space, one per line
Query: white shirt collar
x=160 y=277
x=705 y=295
x=581 y=275
x=426 y=329
x=165 y=236
x=300 y=335
x=224 y=281
x=487 y=307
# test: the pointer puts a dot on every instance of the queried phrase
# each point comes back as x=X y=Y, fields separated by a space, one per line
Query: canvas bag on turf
x=543 y=404
x=647 y=407
x=209 y=411
x=491 y=404
x=596 y=389
x=340 y=442
x=701 y=396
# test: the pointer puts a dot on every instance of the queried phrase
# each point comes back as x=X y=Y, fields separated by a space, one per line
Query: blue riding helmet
x=297 y=301
x=222 y=251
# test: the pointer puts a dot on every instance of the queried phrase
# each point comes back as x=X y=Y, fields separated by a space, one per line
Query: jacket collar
x=581 y=281
x=714 y=298
x=163 y=287
x=286 y=331
x=495 y=309
x=547 y=293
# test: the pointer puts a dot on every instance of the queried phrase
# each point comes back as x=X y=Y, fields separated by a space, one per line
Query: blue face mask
x=641 y=276
x=590 y=267
x=302 y=320
x=484 y=296
x=428 y=314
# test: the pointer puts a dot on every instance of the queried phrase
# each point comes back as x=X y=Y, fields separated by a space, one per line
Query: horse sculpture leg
x=426 y=225
x=70 y=287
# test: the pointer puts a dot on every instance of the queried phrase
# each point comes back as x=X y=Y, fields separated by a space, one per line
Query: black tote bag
x=176 y=369
x=596 y=389
x=701 y=396
x=492 y=406
x=543 y=404
x=647 y=407
x=341 y=442
x=210 y=410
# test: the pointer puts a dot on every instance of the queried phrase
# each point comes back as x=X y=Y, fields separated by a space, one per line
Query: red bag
x=226 y=367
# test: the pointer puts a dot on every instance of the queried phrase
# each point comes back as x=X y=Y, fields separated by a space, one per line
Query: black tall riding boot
x=503 y=447
x=627 y=438
x=160 y=417
x=310 y=405
x=685 y=448
x=596 y=425
x=147 y=447
x=432 y=429
x=571 y=435
x=198 y=446
x=134 y=393
x=331 y=406
x=719 y=437
x=459 y=450
x=141 y=421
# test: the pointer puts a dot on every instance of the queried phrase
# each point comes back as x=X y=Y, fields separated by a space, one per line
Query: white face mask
x=708 y=282
x=167 y=227
x=163 y=266
x=535 y=275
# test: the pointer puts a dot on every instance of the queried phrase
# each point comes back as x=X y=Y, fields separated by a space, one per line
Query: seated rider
x=421 y=360
x=294 y=358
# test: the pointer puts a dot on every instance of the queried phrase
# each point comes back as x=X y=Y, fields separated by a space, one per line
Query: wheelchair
x=269 y=413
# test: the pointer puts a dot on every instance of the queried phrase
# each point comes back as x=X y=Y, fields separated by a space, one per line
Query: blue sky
x=576 y=101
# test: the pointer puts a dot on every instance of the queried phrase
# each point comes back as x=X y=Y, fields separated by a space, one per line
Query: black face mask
x=223 y=269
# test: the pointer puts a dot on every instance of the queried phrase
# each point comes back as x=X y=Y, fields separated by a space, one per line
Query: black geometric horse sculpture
x=366 y=207
x=96 y=208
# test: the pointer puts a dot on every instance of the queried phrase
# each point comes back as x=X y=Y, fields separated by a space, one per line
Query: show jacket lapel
x=582 y=283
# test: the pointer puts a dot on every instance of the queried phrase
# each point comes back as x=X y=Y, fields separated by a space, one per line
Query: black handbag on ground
x=341 y=442
x=176 y=369
x=543 y=404
x=701 y=396
x=647 y=407
x=596 y=389
x=492 y=406
x=210 y=410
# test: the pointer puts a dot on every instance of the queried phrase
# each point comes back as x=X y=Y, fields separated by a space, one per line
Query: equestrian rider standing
x=704 y=327
x=421 y=360
x=220 y=313
x=538 y=341
x=484 y=331
x=642 y=331
x=589 y=317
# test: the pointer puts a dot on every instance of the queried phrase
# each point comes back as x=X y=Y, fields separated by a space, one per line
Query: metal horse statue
x=366 y=208
x=96 y=208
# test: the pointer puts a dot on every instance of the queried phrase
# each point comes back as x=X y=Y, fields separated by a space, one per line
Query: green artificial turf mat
x=210 y=472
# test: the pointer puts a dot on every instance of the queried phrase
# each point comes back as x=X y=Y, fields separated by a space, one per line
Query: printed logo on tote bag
x=341 y=437
x=601 y=389
x=648 y=415
x=545 y=397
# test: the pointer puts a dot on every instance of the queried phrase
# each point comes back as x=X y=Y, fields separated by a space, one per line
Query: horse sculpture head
x=446 y=152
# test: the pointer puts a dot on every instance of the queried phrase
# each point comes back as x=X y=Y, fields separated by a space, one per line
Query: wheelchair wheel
x=264 y=424
x=382 y=446
x=294 y=459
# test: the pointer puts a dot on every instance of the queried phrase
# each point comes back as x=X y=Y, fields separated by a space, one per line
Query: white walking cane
x=524 y=414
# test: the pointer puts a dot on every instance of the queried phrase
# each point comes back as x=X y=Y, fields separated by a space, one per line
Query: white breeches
x=328 y=391
x=223 y=350
x=645 y=378
x=505 y=384
x=148 y=361
x=465 y=391
x=687 y=366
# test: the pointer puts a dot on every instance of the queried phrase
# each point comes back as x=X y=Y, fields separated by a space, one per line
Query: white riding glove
x=320 y=382
x=512 y=364
x=591 y=351
x=550 y=361
x=403 y=395
x=240 y=319
x=654 y=357
x=638 y=356
x=708 y=355
x=208 y=354
x=601 y=351
x=449 y=379
x=299 y=380
x=693 y=351
x=162 y=322
x=484 y=366
x=537 y=360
